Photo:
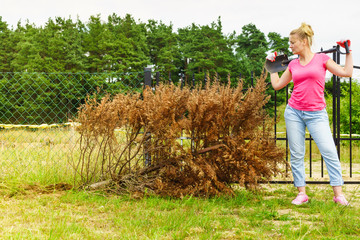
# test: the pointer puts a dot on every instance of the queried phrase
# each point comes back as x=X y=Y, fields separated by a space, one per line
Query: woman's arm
x=340 y=71
x=280 y=82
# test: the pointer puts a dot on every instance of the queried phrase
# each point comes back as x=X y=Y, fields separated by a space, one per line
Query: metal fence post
x=205 y=80
x=182 y=80
x=157 y=78
x=252 y=78
x=147 y=142
x=147 y=77
x=334 y=101
x=338 y=104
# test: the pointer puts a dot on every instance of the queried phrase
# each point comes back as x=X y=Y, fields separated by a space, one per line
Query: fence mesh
x=37 y=110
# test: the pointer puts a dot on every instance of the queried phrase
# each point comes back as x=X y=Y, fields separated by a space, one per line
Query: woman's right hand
x=271 y=56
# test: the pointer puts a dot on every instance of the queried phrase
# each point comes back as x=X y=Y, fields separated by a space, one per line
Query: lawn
x=34 y=159
x=32 y=212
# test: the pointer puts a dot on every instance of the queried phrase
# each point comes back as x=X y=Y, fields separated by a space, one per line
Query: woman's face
x=296 y=44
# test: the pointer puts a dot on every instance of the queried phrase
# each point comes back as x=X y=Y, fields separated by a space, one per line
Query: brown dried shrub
x=230 y=136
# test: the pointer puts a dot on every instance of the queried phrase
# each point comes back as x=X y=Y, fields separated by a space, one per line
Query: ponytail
x=304 y=31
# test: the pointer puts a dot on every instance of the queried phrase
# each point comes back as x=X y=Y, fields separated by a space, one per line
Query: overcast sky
x=331 y=20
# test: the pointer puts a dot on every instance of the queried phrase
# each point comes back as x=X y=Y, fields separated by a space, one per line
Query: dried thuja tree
x=231 y=141
x=229 y=131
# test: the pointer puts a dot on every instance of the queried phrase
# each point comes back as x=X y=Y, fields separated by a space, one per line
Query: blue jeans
x=317 y=123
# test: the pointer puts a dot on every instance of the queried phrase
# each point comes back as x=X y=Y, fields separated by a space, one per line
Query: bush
x=230 y=140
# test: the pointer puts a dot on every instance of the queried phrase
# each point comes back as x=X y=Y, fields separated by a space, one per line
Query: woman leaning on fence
x=306 y=108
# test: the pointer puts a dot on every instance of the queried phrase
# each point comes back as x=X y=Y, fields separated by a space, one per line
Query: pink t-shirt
x=309 y=83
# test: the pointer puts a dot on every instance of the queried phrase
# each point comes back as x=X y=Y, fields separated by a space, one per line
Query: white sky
x=331 y=20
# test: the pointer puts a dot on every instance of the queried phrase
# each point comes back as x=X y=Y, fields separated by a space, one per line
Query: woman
x=306 y=108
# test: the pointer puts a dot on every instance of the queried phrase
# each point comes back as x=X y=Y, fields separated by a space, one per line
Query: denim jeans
x=317 y=123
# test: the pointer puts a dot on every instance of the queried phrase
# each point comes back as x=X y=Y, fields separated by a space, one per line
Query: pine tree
x=163 y=47
x=206 y=49
x=6 y=47
x=28 y=50
x=278 y=43
x=251 y=50
x=127 y=50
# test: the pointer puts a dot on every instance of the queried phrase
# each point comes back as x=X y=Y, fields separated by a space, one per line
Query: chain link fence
x=37 y=113
x=37 y=121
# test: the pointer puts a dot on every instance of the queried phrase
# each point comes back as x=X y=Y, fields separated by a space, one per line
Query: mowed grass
x=261 y=214
x=33 y=159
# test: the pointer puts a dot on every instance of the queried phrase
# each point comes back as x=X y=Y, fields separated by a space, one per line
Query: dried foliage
x=230 y=140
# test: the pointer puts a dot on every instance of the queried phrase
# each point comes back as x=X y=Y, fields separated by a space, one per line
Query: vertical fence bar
x=287 y=140
x=147 y=155
x=322 y=166
x=334 y=112
x=252 y=78
x=334 y=102
x=147 y=77
x=205 y=80
x=310 y=160
x=157 y=78
x=338 y=106
x=275 y=115
x=350 y=127
x=182 y=79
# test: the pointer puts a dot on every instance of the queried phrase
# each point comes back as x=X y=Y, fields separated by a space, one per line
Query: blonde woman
x=306 y=108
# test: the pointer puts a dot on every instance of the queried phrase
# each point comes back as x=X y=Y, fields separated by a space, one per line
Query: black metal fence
x=345 y=141
x=316 y=169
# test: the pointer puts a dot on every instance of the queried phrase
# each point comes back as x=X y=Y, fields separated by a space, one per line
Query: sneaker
x=341 y=200
x=300 y=199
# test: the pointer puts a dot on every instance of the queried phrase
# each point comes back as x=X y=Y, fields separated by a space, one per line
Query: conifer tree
x=206 y=49
x=163 y=47
x=251 y=50
x=6 y=47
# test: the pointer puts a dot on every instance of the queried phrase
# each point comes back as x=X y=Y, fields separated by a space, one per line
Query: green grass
x=248 y=215
x=30 y=160
x=37 y=155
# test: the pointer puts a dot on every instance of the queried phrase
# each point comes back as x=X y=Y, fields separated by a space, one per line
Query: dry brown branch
x=205 y=150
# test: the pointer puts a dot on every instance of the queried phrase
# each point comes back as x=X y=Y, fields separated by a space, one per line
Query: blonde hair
x=304 y=31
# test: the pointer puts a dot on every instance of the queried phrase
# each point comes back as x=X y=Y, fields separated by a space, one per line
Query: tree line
x=33 y=60
x=99 y=49
x=122 y=44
